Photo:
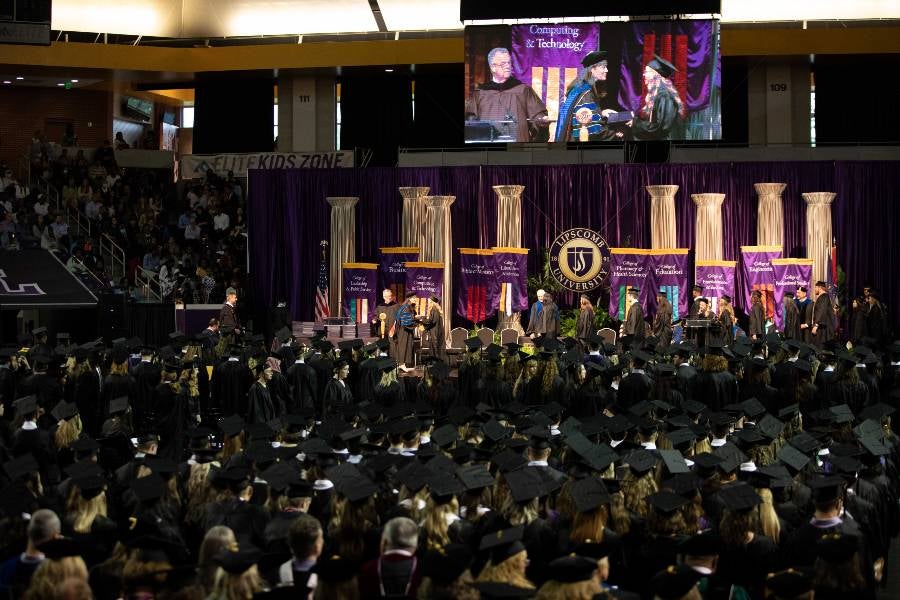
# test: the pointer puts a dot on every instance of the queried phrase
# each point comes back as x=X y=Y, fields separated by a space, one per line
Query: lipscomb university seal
x=579 y=259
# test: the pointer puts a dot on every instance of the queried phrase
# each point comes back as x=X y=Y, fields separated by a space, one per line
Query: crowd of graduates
x=231 y=467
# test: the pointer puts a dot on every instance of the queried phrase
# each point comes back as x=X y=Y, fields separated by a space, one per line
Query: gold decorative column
x=818 y=231
x=662 y=216
x=770 y=214
x=709 y=233
x=413 y=225
x=343 y=246
x=439 y=246
x=509 y=235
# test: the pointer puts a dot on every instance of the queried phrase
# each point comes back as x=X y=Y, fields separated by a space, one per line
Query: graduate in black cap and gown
x=436 y=337
x=470 y=373
x=822 y=329
x=230 y=383
x=662 y=320
x=634 y=327
x=302 y=381
x=174 y=410
x=404 y=331
x=147 y=375
x=259 y=398
x=337 y=392
x=662 y=112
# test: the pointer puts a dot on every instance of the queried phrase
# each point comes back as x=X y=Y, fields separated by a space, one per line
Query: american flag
x=322 y=311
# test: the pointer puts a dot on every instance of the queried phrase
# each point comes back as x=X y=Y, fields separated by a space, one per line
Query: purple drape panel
x=288 y=214
x=699 y=56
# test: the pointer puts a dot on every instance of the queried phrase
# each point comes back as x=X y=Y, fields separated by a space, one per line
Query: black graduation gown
x=230 y=383
x=664 y=120
x=436 y=336
x=116 y=386
x=337 y=396
x=324 y=374
x=174 y=417
x=584 y=326
x=662 y=324
x=791 y=320
x=685 y=379
x=42 y=385
x=757 y=321
x=635 y=326
x=716 y=389
x=248 y=521
x=280 y=392
x=8 y=388
x=147 y=376
x=470 y=376
x=87 y=398
x=767 y=395
x=633 y=389
x=369 y=376
x=390 y=395
x=823 y=318
x=261 y=405
x=302 y=381
x=748 y=565
x=495 y=392
x=801 y=548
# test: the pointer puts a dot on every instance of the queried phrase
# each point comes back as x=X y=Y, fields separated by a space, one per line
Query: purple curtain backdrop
x=700 y=54
x=287 y=214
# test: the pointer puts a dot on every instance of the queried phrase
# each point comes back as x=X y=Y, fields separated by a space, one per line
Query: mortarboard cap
x=473 y=344
x=149 y=488
x=445 y=435
x=445 y=564
x=475 y=477
x=503 y=544
x=640 y=461
x=21 y=466
x=666 y=501
x=674 y=582
x=238 y=562
x=494 y=590
x=231 y=426
x=793 y=457
x=572 y=569
x=26 y=405
x=118 y=405
x=64 y=410
x=524 y=484
x=336 y=569
x=90 y=486
x=60 y=547
x=739 y=497
x=789 y=584
x=588 y=494
x=701 y=544
x=674 y=461
x=826 y=489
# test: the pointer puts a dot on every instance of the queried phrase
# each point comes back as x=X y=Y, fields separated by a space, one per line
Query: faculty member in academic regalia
x=385 y=316
x=404 y=329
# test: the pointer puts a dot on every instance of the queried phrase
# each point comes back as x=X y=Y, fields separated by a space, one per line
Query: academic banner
x=670 y=274
x=425 y=279
x=360 y=290
x=392 y=269
x=195 y=166
x=756 y=266
x=628 y=268
x=477 y=281
x=511 y=267
x=716 y=277
x=790 y=273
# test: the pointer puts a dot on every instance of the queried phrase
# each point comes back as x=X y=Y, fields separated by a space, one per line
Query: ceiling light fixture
x=388 y=70
x=7 y=81
x=60 y=84
x=74 y=81
x=19 y=78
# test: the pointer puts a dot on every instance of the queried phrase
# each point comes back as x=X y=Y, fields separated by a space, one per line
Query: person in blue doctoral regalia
x=584 y=113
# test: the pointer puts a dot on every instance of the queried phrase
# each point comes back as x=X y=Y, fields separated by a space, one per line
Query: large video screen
x=593 y=82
